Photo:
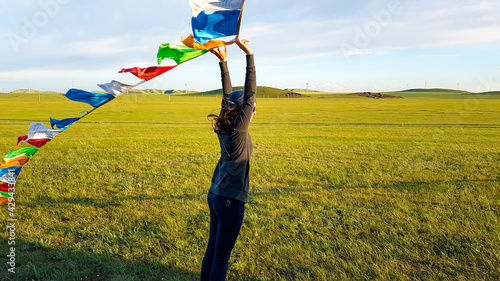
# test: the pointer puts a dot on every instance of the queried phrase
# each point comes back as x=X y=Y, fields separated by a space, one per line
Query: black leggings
x=226 y=217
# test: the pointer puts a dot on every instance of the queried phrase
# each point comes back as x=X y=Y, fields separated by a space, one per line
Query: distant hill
x=314 y=92
x=493 y=93
x=177 y=92
x=436 y=90
x=32 y=91
x=262 y=91
x=301 y=90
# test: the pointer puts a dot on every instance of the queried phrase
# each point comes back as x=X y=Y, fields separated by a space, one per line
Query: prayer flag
x=9 y=175
x=27 y=151
x=62 y=124
x=6 y=194
x=207 y=27
x=16 y=162
x=38 y=131
x=189 y=41
x=178 y=53
x=6 y=187
x=38 y=135
x=94 y=99
x=116 y=88
x=8 y=178
x=214 y=5
x=36 y=143
x=215 y=19
x=4 y=200
x=147 y=73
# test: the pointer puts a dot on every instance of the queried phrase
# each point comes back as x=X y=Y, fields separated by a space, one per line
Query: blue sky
x=363 y=45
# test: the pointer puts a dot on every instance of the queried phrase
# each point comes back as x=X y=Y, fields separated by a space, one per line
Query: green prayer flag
x=178 y=53
x=27 y=151
x=6 y=194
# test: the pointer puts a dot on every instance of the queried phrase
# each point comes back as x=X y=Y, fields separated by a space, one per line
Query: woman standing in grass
x=229 y=189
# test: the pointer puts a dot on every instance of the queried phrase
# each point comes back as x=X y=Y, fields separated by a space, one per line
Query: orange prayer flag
x=19 y=161
x=189 y=42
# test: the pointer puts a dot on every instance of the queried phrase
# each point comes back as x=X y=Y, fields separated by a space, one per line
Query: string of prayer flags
x=213 y=22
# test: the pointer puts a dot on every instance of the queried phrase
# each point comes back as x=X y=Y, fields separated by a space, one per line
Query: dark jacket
x=231 y=176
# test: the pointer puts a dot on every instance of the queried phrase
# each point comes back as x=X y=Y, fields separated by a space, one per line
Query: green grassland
x=342 y=188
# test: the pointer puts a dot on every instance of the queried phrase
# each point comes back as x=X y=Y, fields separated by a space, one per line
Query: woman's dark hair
x=225 y=120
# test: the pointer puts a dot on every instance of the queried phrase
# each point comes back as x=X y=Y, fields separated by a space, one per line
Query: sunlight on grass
x=342 y=188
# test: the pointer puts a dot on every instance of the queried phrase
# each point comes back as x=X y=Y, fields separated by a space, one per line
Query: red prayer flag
x=36 y=142
x=148 y=73
x=5 y=187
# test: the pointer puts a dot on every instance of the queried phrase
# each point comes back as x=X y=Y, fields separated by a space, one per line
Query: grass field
x=342 y=188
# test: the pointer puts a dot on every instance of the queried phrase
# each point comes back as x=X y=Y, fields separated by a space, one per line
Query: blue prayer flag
x=94 y=99
x=9 y=175
x=64 y=123
x=209 y=26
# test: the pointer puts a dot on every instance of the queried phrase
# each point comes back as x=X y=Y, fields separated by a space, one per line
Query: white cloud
x=329 y=87
x=419 y=24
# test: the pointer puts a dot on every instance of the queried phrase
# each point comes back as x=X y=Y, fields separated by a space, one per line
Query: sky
x=325 y=45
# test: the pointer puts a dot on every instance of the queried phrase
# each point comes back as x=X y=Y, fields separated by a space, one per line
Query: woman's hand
x=221 y=54
x=242 y=43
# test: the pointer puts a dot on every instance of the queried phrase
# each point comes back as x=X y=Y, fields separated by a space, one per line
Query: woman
x=229 y=189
